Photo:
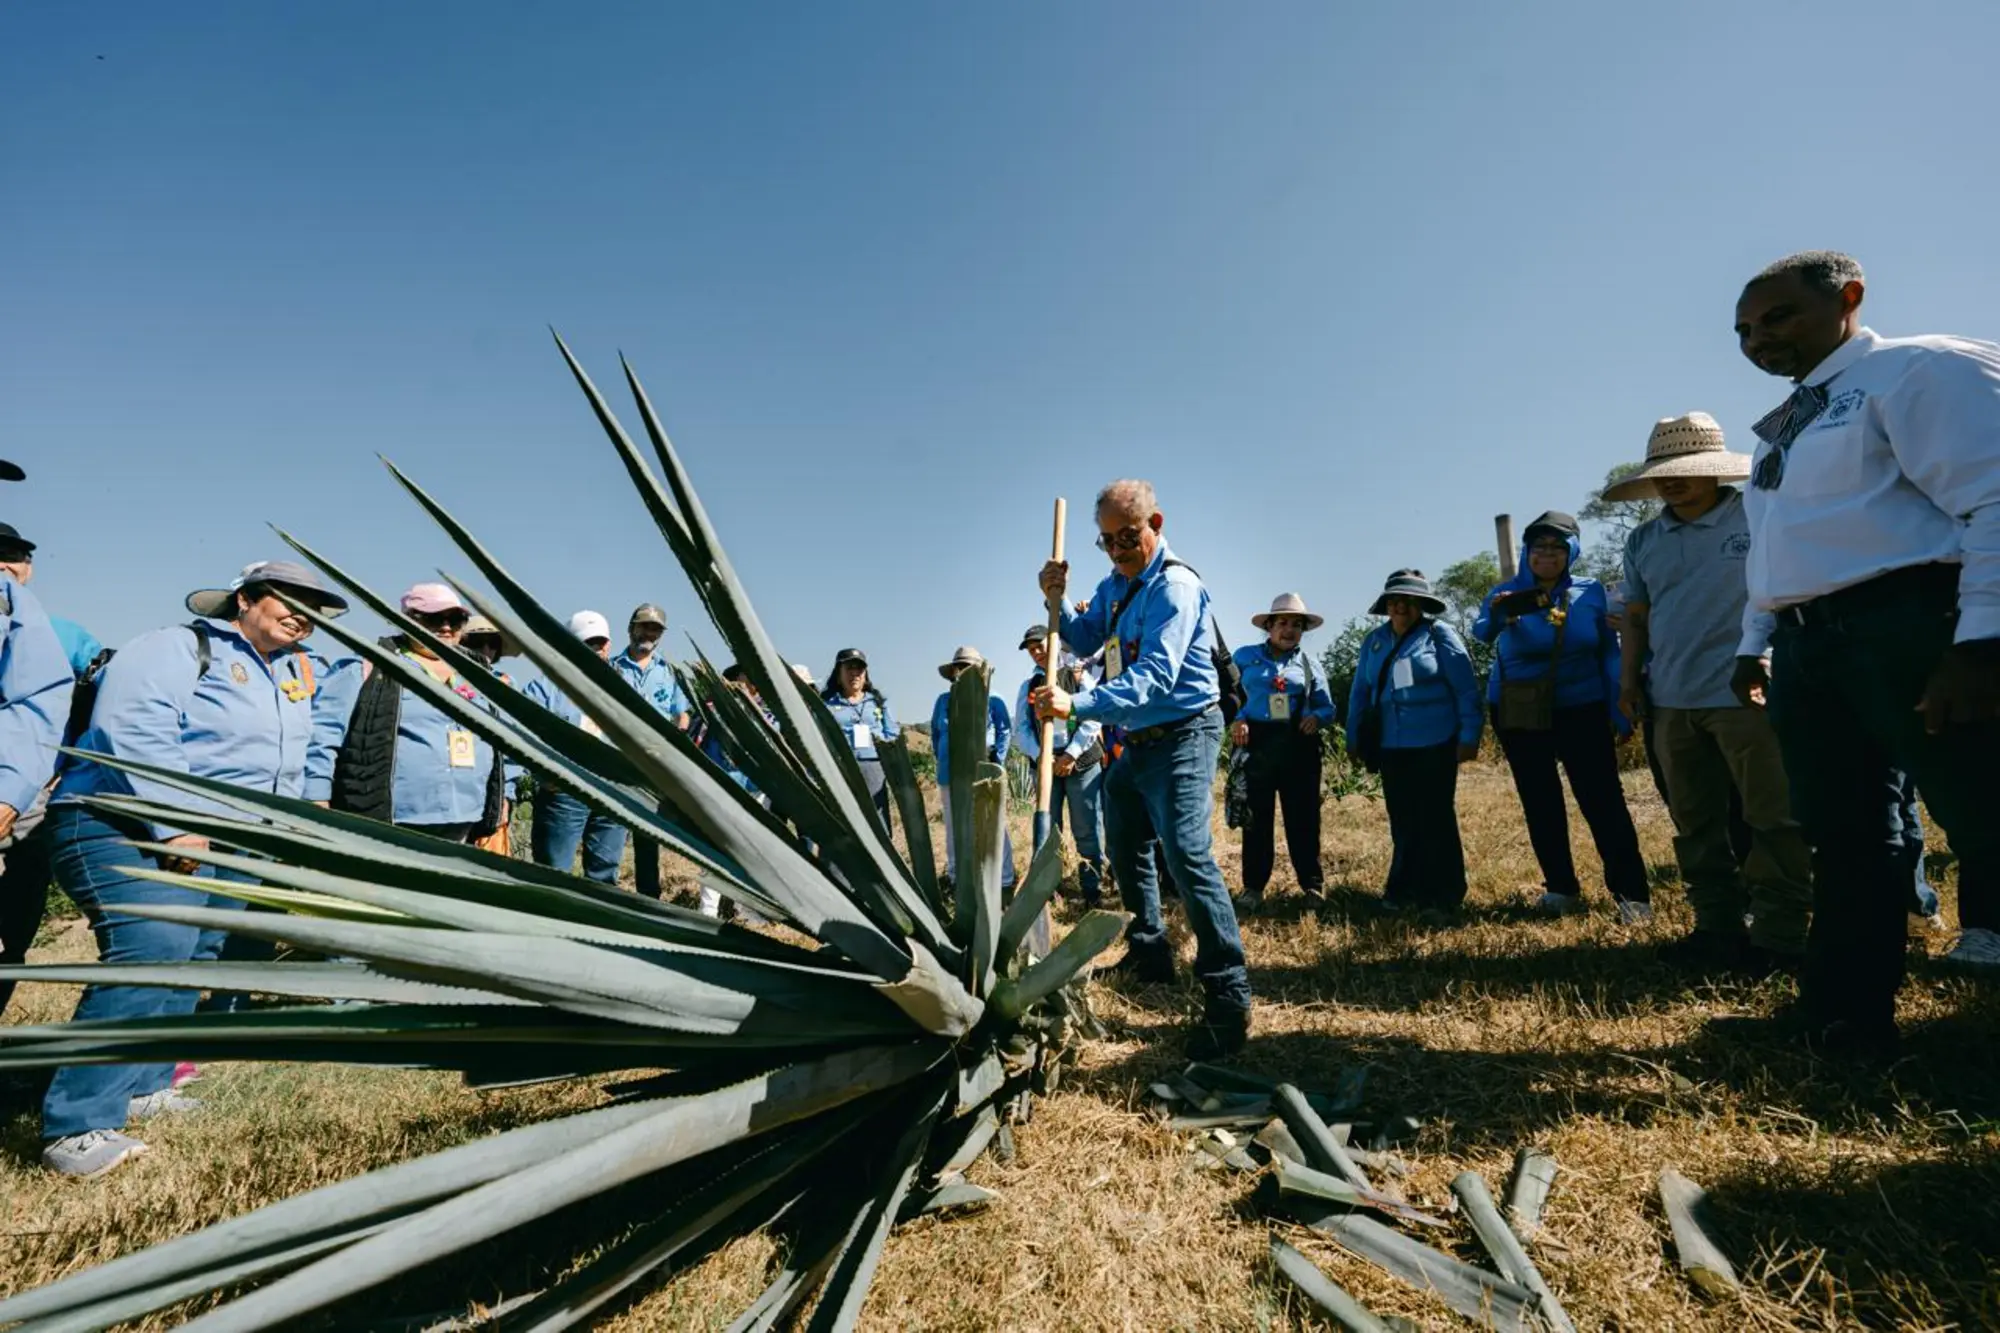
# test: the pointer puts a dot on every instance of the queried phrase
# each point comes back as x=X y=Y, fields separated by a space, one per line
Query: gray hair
x=1822 y=270
x=1129 y=499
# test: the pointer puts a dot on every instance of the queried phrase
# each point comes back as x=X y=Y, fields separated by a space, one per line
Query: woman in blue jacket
x=999 y=737
x=1554 y=689
x=1414 y=715
x=231 y=697
x=1285 y=704
x=863 y=716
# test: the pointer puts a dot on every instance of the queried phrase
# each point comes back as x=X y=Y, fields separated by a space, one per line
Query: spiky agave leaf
x=818 y=1085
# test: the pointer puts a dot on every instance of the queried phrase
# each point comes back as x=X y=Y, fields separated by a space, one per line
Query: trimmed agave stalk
x=1328 y=1296
x=1685 y=1204
x=821 y=1092
x=1510 y=1260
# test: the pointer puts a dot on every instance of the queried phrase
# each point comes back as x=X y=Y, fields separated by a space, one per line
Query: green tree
x=1464 y=586
x=1604 y=559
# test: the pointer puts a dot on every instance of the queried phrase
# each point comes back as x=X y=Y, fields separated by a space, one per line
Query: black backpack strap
x=204 y=653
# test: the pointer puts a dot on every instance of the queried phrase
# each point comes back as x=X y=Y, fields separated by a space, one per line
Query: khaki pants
x=1704 y=751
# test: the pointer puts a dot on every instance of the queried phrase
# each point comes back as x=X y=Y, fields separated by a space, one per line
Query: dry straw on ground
x=1846 y=1202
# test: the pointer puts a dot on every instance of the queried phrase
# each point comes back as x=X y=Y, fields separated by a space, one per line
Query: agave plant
x=823 y=1080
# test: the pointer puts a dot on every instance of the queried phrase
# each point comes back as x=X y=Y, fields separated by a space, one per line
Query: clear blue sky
x=1343 y=280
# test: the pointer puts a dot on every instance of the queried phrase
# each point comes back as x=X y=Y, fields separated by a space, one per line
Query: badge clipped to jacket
x=1281 y=705
x=459 y=747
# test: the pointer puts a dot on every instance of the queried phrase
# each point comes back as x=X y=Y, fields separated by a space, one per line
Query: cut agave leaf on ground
x=1528 y=1191
x=1297 y=1180
x=1322 y=1148
x=1327 y=1296
x=1480 y=1296
x=1504 y=1247
x=1706 y=1266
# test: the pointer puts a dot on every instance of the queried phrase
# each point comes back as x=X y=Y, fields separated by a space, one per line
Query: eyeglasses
x=1125 y=539
x=451 y=620
x=1548 y=548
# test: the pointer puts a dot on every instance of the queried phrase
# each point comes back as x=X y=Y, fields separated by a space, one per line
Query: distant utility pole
x=1503 y=536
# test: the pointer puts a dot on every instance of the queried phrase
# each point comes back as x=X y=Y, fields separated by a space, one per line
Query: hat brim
x=1263 y=621
x=1717 y=463
x=220 y=603
x=946 y=669
x=1429 y=602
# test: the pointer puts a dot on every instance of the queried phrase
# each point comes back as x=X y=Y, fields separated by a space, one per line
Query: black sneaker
x=1846 y=1040
x=1223 y=1031
x=1248 y=903
x=1709 y=952
x=1148 y=967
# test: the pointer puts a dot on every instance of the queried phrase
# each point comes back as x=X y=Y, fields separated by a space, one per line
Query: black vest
x=364 y=769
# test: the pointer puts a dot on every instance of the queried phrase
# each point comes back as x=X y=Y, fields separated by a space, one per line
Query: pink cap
x=431 y=598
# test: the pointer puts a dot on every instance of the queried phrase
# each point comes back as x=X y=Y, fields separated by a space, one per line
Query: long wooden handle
x=1045 y=773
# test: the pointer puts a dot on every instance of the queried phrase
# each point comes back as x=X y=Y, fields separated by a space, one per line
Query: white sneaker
x=1976 y=948
x=1934 y=922
x=1559 y=904
x=164 y=1102
x=1635 y=914
x=91 y=1153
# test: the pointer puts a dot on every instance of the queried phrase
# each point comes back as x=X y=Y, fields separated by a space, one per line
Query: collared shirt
x=245 y=720
x=1267 y=677
x=997 y=733
x=655 y=682
x=1689 y=576
x=1428 y=691
x=1165 y=640
x=339 y=680
x=1588 y=671
x=35 y=686
x=1902 y=468
x=427 y=786
x=1074 y=736
x=863 y=721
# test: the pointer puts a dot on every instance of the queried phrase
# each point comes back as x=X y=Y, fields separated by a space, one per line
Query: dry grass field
x=1864 y=1201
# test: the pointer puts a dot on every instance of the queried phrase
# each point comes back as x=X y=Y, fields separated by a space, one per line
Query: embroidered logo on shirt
x=1736 y=545
x=1842 y=407
x=238 y=674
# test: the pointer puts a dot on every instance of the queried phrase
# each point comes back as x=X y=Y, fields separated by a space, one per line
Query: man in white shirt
x=1873 y=624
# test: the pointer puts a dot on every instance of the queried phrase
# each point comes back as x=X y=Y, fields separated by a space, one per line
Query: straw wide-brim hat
x=1689 y=446
x=1408 y=583
x=478 y=625
x=964 y=656
x=1288 y=604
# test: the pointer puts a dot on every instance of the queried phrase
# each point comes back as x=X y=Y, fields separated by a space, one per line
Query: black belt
x=1923 y=584
x=1153 y=735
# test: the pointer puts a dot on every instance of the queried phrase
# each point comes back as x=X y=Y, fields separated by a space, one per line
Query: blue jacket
x=655 y=682
x=35 y=685
x=246 y=721
x=78 y=644
x=1165 y=640
x=872 y=712
x=997 y=733
x=1265 y=676
x=1430 y=693
x=427 y=788
x=1588 y=672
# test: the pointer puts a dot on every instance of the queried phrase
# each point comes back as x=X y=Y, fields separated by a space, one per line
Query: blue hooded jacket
x=1588 y=671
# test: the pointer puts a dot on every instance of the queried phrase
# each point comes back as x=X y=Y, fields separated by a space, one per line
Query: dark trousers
x=1420 y=789
x=24 y=893
x=1579 y=744
x=1844 y=694
x=1284 y=768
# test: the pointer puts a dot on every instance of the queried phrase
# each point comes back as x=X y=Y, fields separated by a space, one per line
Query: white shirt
x=1902 y=468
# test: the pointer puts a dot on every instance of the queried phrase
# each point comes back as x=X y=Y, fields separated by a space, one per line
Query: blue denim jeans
x=1910 y=844
x=1080 y=797
x=1166 y=790
x=563 y=823
x=93 y=863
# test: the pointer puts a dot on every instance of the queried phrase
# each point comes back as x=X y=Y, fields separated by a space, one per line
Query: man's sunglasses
x=1125 y=539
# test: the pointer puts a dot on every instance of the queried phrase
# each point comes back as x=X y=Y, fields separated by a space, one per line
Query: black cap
x=11 y=471
x=846 y=655
x=1554 y=521
x=9 y=537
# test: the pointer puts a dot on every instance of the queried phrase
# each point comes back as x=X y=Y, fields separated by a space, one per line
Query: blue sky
x=1344 y=281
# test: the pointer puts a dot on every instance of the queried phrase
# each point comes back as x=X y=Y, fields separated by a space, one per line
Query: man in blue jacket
x=563 y=822
x=999 y=736
x=646 y=670
x=1152 y=618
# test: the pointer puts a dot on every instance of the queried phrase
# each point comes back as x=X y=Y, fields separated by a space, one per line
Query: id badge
x=1114 y=658
x=863 y=738
x=459 y=745
x=1281 y=707
x=1402 y=675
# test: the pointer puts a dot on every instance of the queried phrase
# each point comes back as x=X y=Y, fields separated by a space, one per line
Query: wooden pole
x=1503 y=536
x=1045 y=772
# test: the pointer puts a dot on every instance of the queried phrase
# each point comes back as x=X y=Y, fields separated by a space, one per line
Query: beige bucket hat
x=1687 y=446
x=965 y=655
x=1288 y=604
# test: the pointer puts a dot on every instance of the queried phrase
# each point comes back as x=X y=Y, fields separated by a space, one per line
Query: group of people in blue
x=1797 y=692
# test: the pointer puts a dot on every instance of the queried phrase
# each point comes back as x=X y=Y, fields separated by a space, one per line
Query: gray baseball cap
x=302 y=582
